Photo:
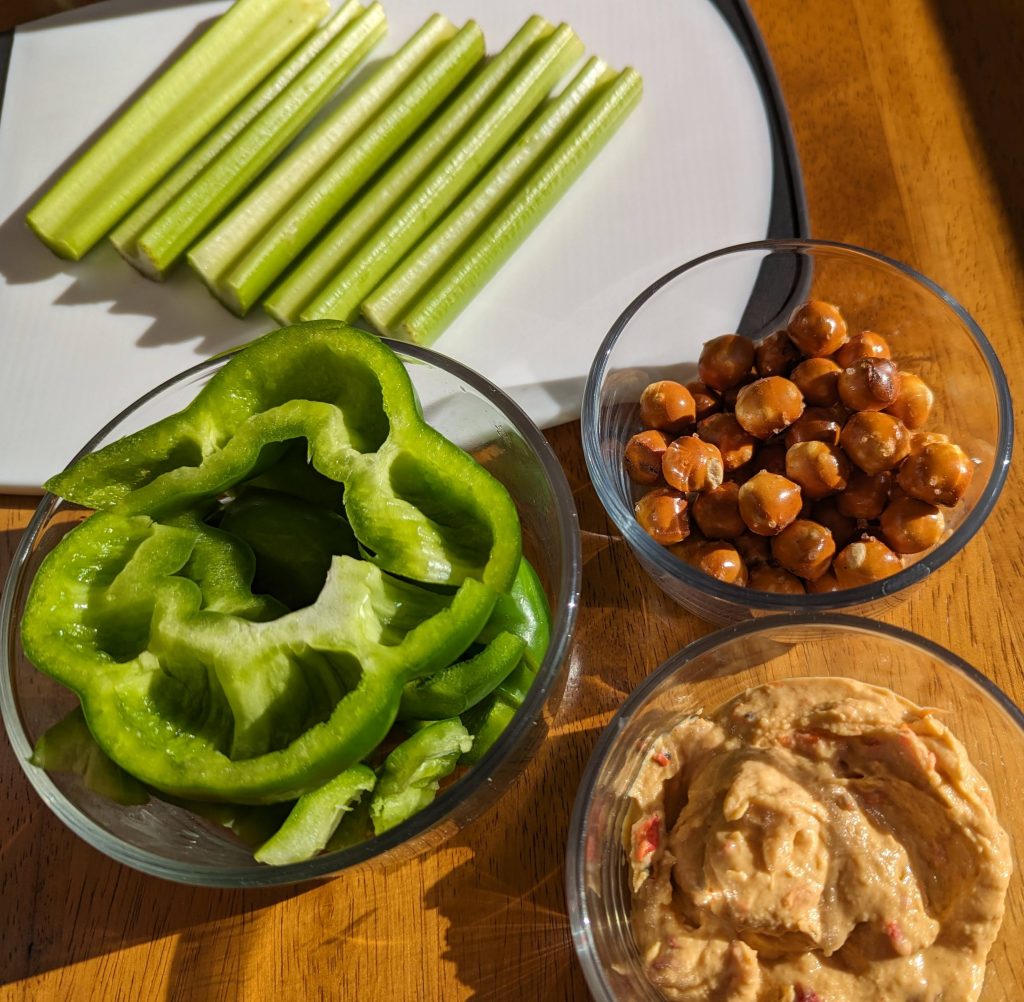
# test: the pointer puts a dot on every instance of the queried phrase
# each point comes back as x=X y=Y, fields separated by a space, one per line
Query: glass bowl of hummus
x=803 y=809
x=754 y=290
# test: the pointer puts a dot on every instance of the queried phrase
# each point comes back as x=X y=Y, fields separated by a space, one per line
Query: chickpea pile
x=797 y=464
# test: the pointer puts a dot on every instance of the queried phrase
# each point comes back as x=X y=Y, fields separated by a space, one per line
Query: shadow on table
x=986 y=41
x=508 y=931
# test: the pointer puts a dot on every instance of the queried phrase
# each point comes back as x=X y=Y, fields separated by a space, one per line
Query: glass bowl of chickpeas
x=795 y=425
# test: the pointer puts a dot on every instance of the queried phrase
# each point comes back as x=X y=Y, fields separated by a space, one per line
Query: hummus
x=814 y=840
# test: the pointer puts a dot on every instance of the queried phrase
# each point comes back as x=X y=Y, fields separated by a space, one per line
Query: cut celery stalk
x=443 y=300
x=486 y=135
x=126 y=234
x=255 y=213
x=390 y=300
x=170 y=117
x=328 y=193
x=243 y=159
x=291 y=295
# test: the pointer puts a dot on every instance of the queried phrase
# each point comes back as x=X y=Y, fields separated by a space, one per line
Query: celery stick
x=243 y=225
x=127 y=232
x=358 y=222
x=170 y=117
x=356 y=164
x=488 y=133
x=392 y=298
x=243 y=159
x=443 y=300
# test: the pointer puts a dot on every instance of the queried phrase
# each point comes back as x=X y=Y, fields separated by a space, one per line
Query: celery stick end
x=60 y=246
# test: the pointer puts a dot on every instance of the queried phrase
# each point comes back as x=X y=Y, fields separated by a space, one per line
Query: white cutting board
x=690 y=171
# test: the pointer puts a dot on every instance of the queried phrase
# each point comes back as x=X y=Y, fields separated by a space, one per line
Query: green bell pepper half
x=419 y=506
x=211 y=705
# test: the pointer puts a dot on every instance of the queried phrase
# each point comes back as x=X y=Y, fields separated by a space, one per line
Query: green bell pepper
x=419 y=506
x=315 y=817
x=293 y=541
x=204 y=690
x=524 y=611
x=412 y=773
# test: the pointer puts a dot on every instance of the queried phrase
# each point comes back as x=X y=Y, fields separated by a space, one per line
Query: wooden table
x=906 y=117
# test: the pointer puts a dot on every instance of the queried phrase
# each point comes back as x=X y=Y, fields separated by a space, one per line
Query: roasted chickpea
x=914 y=404
x=775 y=355
x=691 y=464
x=866 y=344
x=910 y=526
x=870 y=384
x=817 y=328
x=707 y=401
x=768 y=503
x=866 y=494
x=753 y=549
x=663 y=515
x=815 y=425
x=717 y=559
x=765 y=577
x=875 y=441
x=826 y=583
x=805 y=548
x=863 y=562
x=818 y=468
x=817 y=379
x=769 y=405
x=667 y=406
x=919 y=439
x=717 y=512
x=642 y=456
x=726 y=361
x=735 y=444
x=827 y=513
x=939 y=473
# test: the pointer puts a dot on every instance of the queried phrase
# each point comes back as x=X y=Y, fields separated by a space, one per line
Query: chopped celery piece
x=244 y=158
x=389 y=301
x=446 y=297
x=257 y=210
x=171 y=116
x=483 y=139
x=314 y=208
x=126 y=234
x=358 y=222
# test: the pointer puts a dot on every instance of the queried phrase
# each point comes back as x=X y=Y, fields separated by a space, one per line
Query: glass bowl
x=164 y=840
x=719 y=666
x=752 y=289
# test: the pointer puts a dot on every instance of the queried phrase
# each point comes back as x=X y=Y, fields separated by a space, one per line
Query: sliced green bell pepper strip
x=315 y=817
x=69 y=747
x=412 y=773
x=524 y=611
x=419 y=506
x=293 y=541
x=219 y=707
x=454 y=689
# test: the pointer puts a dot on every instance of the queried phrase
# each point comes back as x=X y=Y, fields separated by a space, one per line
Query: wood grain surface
x=906 y=116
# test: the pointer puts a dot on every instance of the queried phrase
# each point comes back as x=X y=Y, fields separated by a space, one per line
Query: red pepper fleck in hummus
x=815 y=840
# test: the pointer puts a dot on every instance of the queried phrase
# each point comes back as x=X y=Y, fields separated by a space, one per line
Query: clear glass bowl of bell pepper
x=394 y=568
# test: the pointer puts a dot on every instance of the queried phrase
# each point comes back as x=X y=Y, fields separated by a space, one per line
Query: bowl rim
x=564 y=611
x=575 y=876
x=769 y=602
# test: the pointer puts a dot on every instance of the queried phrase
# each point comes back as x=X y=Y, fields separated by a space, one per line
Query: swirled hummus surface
x=815 y=840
